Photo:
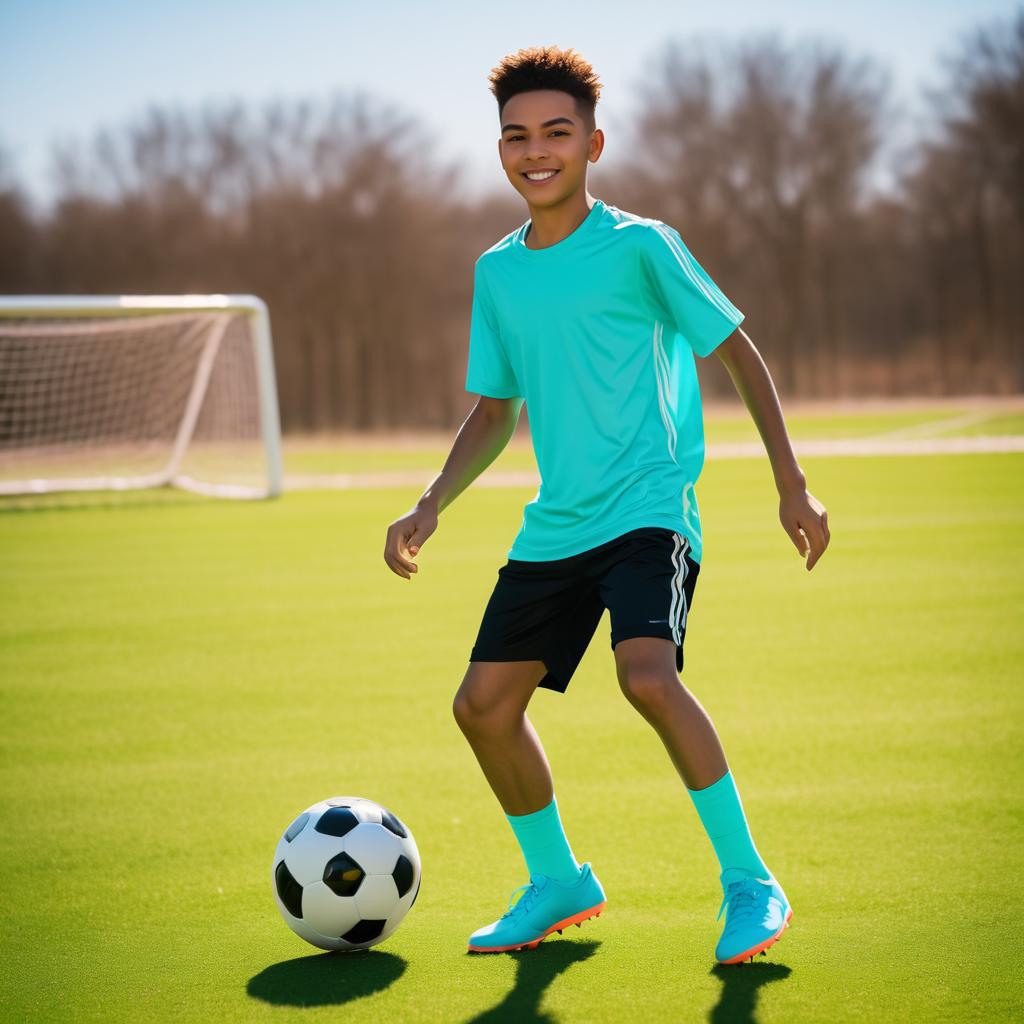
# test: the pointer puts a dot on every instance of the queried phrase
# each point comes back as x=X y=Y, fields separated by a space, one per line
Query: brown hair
x=547 y=67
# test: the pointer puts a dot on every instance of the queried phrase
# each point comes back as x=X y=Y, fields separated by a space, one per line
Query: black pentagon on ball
x=289 y=891
x=402 y=875
x=343 y=875
x=389 y=821
x=338 y=821
x=296 y=826
x=365 y=931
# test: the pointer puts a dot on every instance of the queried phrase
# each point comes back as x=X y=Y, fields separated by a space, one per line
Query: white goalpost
x=138 y=391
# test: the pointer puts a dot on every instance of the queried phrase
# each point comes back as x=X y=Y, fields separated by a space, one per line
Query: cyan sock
x=542 y=839
x=721 y=814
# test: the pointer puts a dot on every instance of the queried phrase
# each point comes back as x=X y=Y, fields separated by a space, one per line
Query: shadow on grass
x=327 y=979
x=535 y=970
x=740 y=984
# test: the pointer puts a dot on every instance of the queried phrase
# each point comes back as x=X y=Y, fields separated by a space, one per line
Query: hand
x=405 y=538
x=804 y=518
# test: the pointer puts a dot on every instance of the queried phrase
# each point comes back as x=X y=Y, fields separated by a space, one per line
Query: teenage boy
x=593 y=316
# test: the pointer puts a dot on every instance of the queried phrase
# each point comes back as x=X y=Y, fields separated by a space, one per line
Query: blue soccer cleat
x=758 y=915
x=546 y=906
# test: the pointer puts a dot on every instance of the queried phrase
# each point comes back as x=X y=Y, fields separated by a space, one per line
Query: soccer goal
x=138 y=391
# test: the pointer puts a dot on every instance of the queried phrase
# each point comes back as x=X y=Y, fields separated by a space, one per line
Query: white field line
x=400 y=478
x=881 y=445
x=734 y=450
x=935 y=428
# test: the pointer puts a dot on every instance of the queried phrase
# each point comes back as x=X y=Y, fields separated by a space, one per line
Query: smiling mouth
x=541 y=176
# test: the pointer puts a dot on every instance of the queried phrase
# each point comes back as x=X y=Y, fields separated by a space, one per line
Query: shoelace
x=743 y=897
x=529 y=892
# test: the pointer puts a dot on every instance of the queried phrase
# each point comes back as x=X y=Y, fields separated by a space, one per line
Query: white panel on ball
x=411 y=850
x=329 y=914
x=368 y=811
x=374 y=848
x=376 y=897
x=307 y=856
x=311 y=935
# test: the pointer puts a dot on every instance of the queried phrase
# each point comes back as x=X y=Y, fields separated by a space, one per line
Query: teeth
x=539 y=175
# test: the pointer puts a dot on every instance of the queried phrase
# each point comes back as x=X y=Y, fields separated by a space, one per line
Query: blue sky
x=67 y=68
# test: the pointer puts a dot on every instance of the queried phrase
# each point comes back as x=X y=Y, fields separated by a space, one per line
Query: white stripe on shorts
x=677 y=610
x=675 y=587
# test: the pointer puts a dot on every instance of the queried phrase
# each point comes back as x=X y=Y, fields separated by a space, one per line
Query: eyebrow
x=546 y=124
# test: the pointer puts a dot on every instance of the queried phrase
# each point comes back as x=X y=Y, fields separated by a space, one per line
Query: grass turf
x=179 y=681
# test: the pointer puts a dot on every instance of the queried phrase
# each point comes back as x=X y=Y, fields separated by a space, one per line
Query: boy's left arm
x=803 y=517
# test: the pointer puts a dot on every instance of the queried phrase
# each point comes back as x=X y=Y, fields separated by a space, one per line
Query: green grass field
x=180 y=680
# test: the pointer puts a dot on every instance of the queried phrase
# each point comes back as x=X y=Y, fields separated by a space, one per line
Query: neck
x=550 y=224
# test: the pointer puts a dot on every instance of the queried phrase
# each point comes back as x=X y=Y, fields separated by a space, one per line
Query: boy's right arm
x=481 y=438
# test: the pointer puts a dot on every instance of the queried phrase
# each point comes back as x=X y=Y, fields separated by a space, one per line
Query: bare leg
x=490 y=707
x=647 y=674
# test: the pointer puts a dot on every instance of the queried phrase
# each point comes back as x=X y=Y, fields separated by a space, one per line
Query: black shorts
x=548 y=611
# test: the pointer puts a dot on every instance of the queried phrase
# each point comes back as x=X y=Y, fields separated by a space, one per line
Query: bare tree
x=965 y=191
x=18 y=236
x=758 y=153
x=762 y=154
x=335 y=213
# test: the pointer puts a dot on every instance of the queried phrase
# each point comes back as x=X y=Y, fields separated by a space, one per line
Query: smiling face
x=542 y=131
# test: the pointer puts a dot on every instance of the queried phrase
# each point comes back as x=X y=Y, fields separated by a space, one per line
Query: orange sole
x=761 y=946
x=576 y=919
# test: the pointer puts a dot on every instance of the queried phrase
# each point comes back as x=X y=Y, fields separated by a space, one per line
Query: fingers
x=421 y=531
x=393 y=557
x=796 y=535
x=818 y=540
x=400 y=566
x=806 y=522
x=815 y=554
x=412 y=543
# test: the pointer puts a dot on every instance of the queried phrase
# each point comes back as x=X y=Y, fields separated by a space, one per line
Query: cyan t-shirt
x=598 y=334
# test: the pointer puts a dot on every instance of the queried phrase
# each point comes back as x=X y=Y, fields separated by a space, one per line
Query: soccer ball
x=345 y=873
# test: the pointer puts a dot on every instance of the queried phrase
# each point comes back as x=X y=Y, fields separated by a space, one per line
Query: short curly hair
x=547 y=67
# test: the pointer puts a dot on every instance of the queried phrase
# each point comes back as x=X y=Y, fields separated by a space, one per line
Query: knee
x=648 y=689
x=475 y=711
x=463 y=709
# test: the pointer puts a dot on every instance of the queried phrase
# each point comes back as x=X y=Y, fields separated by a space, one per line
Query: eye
x=557 y=131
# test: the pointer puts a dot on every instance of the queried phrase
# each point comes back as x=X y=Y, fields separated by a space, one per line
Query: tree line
x=766 y=157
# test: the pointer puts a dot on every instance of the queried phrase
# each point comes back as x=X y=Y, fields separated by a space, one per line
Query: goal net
x=128 y=392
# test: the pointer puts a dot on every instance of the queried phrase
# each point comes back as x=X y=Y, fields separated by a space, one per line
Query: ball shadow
x=326 y=979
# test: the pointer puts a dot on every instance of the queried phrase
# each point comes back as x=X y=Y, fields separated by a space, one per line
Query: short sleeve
x=682 y=290
x=488 y=371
